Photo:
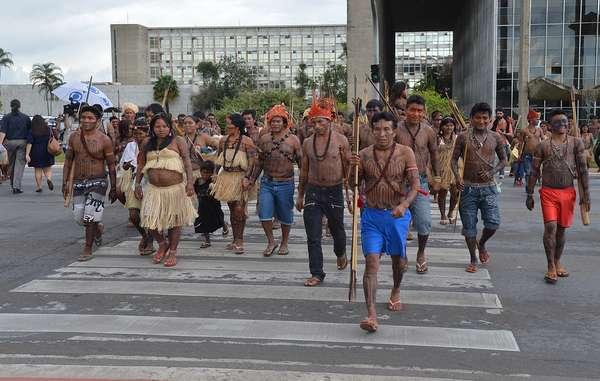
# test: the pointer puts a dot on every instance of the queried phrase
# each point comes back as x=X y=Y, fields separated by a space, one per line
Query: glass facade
x=563 y=47
x=418 y=51
x=274 y=52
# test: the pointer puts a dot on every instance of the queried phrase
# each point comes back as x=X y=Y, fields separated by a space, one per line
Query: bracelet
x=437 y=179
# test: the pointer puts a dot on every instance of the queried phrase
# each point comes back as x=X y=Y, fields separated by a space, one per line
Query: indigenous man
x=89 y=153
x=560 y=159
x=278 y=149
x=479 y=190
x=415 y=133
x=502 y=126
x=252 y=129
x=366 y=136
x=531 y=136
x=320 y=189
x=385 y=167
x=588 y=143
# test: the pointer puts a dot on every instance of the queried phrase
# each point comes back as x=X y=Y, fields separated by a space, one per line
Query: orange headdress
x=532 y=114
x=278 y=110
x=322 y=108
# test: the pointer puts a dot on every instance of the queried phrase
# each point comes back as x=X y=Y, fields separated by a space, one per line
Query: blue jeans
x=276 y=199
x=476 y=198
x=319 y=202
x=421 y=209
x=527 y=165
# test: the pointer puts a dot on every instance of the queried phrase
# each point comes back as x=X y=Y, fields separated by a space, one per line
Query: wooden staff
x=585 y=213
x=354 y=251
x=383 y=99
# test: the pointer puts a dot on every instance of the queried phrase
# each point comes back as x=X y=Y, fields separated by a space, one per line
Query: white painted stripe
x=246 y=291
x=495 y=340
x=257 y=266
x=335 y=278
x=187 y=373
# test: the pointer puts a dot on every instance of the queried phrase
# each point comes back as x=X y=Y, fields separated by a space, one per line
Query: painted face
x=321 y=125
x=249 y=120
x=129 y=115
x=384 y=133
x=277 y=124
x=115 y=123
x=189 y=125
x=559 y=124
x=415 y=113
x=230 y=127
x=448 y=128
x=88 y=120
x=436 y=121
x=480 y=120
x=372 y=111
x=161 y=129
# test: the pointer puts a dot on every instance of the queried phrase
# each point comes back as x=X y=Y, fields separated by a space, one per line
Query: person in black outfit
x=210 y=216
x=14 y=127
x=36 y=152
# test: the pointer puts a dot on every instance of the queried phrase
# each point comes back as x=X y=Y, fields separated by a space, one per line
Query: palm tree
x=46 y=77
x=165 y=90
x=5 y=61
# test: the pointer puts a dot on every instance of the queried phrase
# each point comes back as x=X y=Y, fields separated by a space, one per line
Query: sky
x=75 y=35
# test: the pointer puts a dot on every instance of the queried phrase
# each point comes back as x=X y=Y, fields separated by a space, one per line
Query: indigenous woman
x=446 y=138
x=194 y=141
x=165 y=161
x=237 y=157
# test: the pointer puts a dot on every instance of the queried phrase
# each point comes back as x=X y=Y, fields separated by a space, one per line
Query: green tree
x=208 y=71
x=334 y=82
x=303 y=81
x=46 y=77
x=5 y=59
x=438 y=78
x=165 y=85
x=434 y=101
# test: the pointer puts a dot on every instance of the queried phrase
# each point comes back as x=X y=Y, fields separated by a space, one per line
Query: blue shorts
x=276 y=199
x=421 y=209
x=383 y=233
x=475 y=198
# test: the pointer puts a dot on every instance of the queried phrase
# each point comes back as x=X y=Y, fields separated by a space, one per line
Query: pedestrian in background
x=36 y=152
x=15 y=127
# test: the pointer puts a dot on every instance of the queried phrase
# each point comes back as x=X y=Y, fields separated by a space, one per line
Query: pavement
x=219 y=316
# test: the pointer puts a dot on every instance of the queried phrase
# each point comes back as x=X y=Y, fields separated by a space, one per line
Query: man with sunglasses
x=558 y=160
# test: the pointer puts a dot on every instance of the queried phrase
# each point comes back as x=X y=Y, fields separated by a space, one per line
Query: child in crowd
x=210 y=216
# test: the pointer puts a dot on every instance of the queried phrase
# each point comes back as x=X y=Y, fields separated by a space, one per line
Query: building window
x=154 y=43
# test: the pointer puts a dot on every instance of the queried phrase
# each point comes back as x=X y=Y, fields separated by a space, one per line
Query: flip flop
x=562 y=273
x=550 y=279
x=344 y=264
x=471 y=268
x=239 y=250
x=392 y=305
x=312 y=282
x=204 y=245
x=422 y=267
x=285 y=252
x=85 y=258
x=369 y=325
x=147 y=251
x=158 y=256
x=171 y=260
x=484 y=257
x=267 y=253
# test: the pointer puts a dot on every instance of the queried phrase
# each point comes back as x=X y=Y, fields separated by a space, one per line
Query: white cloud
x=76 y=34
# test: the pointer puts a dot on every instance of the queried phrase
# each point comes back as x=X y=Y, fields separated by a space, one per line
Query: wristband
x=437 y=179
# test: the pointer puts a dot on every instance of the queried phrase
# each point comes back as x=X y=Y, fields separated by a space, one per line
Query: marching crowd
x=175 y=172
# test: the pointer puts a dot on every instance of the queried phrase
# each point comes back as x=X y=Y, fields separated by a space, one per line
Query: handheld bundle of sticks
x=585 y=213
x=354 y=251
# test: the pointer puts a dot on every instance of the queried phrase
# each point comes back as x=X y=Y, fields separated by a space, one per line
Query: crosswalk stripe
x=263 y=277
x=257 y=266
x=246 y=291
x=495 y=340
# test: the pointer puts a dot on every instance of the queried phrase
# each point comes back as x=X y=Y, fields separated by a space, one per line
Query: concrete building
x=141 y=54
x=416 y=52
x=564 y=43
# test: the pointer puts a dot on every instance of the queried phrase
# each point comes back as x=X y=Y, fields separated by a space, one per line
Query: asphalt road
x=219 y=316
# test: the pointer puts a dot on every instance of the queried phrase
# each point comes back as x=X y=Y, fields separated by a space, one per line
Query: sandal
x=392 y=305
x=562 y=273
x=205 y=244
x=50 y=184
x=283 y=252
x=85 y=257
x=313 y=281
x=550 y=278
x=484 y=257
x=471 y=268
x=342 y=262
x=422 y=267
x=268 y=253
x=369 y=325
x=239 y=250
x=171 y=259
x=160 y=255
x=230 y=246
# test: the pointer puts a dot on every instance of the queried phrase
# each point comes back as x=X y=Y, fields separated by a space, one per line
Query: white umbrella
x=76 y=92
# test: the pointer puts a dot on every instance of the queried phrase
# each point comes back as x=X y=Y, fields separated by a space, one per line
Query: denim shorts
x=421 y=209
x=383 y=233
x=276 y=199
x=479 y=198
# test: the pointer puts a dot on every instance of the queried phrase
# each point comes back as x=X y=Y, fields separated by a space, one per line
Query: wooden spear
x=585 y=213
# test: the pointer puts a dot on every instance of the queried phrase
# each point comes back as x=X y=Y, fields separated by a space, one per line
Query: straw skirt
x=166 y=207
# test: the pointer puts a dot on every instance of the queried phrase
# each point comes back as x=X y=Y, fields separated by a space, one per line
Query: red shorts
x=558 y=205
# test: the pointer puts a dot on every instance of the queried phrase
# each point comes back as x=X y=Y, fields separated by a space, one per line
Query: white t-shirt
x=130 y=154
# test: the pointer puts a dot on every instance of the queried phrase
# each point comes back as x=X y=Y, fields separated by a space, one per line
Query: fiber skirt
x=126 y=185
x=228 y=187
x=166 y=207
